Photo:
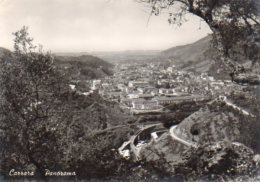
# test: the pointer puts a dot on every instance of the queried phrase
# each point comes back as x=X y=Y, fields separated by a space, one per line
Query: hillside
x=223 y=121
x=218 y=121
x=93 y=112
x=201 y=57
x=224 y=135
x=196 y=56
x=189 y=51
x=4 y=52
x=84 y=67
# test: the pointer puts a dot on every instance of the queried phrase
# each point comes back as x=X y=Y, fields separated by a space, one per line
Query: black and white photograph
x=130 y=90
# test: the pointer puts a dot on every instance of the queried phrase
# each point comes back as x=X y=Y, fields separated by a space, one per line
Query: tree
x=45 y=125
x=233 y=23
x=32 y=113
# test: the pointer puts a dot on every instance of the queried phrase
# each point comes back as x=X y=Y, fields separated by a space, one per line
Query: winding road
x=229 y=103
x=175 y=137
x=173 y=133
x=136 y=150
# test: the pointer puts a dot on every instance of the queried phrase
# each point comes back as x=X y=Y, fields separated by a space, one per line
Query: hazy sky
x=93 y=25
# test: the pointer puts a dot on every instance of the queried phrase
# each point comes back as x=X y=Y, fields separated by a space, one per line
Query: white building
x=171 y=69
x=145 y=104
x=163 y=91
x=138 y=84
x=95 y=84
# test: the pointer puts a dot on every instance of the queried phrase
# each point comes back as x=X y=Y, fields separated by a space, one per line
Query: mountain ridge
x=197 y=56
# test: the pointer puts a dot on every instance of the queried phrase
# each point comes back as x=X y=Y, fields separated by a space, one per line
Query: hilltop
x=84 y=67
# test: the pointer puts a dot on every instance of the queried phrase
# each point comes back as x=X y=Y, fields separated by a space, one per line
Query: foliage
x=31 y=90
x=83 y=67
x=171 y=119
x=46 y=125
x=232 y=23
x=217 y=161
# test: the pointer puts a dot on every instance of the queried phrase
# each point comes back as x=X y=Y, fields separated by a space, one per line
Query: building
x=96 y=84
x=171 y=69
x=168 y=92
x=127 y=102
x=146 y=96
x=169 y=100
x=142 y=104
x=137 y=84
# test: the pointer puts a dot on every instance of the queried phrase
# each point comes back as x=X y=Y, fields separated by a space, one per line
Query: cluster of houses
x=148 y=87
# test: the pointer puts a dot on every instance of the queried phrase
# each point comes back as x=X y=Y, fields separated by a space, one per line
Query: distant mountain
x=118 y=57
x=84 y=67
x=199 y=57
x=196 y=56
x=188 y=51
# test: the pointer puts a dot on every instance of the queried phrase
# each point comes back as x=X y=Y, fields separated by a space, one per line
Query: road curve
x=175 y=137
x=190 y=144
x=137 y=150
x=229 y=103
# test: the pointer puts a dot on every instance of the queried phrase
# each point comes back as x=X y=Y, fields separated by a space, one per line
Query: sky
x=94 y=25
